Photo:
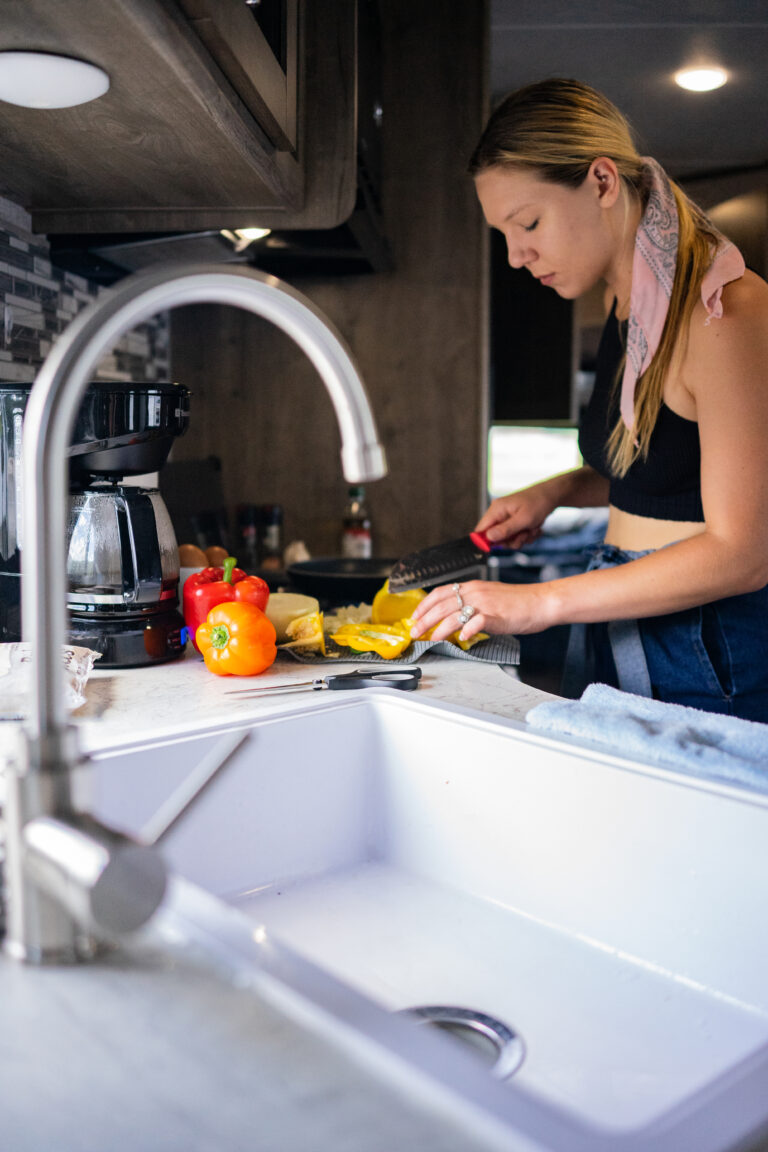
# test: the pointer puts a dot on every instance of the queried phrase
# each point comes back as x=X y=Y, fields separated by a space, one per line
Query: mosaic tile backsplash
x=38 y=301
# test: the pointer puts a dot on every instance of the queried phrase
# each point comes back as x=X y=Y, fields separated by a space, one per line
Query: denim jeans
x=713 y=657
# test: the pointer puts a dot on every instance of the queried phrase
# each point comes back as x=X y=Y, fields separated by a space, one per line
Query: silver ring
x=457 y=590
x=466 y=614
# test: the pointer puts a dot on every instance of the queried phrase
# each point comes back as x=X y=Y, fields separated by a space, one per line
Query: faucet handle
x=104 y=881
x=107 y=882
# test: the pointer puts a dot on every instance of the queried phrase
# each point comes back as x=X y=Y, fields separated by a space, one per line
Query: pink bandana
x=653 y=273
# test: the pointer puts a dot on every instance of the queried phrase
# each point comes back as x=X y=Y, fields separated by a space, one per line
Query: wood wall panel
x=418 y=332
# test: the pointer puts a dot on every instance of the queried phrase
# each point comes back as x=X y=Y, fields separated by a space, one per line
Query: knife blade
x=437 y=564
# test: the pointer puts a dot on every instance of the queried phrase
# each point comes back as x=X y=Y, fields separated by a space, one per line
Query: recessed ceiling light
x=45 y=80
x=701 y=79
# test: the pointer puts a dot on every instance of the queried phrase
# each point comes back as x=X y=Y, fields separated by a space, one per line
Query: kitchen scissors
x=406 y=679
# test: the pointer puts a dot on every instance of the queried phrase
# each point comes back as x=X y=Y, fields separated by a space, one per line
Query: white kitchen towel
x=704 y=744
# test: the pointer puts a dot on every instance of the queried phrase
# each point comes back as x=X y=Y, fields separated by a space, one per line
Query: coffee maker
x=122 y=557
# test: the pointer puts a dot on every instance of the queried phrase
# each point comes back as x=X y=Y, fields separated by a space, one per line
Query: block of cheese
x=283 y=607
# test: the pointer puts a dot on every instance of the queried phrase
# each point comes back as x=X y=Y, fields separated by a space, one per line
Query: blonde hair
x=557 y=128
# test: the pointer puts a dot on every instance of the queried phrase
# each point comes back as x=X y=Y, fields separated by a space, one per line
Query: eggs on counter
x=190 y=556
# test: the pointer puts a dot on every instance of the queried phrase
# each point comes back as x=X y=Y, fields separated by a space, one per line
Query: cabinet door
x=532 y=368
x=256 y=47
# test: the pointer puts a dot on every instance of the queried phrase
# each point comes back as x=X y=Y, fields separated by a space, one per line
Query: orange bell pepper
x=237 y=639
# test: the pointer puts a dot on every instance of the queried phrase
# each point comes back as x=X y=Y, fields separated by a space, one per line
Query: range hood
x=355 y=247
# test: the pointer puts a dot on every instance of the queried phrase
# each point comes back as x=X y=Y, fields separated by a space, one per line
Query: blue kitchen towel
x=706 y=744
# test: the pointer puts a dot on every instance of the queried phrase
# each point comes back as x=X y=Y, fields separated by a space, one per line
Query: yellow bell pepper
x=387 y=640
x=392 y=607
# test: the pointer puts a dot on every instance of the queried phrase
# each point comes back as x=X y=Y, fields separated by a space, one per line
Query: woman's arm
x=725 y=371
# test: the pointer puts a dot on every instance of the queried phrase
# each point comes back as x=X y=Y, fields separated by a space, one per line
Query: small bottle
x=356 y=539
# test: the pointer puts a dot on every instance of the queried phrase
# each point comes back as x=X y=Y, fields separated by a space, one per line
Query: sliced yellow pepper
x=386 y=640
x=306 y=633
x=465 y=645
x=392 y=607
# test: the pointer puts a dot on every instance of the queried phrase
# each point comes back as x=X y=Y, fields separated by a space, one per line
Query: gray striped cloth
x=494 y=650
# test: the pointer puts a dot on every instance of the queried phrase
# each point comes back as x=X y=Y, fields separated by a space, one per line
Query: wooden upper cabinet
x=256 y=47
x=214 y=118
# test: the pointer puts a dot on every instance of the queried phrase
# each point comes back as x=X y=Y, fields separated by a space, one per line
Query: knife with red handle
x=439 y=563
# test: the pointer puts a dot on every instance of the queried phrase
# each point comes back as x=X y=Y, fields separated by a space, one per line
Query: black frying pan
x=339 y=580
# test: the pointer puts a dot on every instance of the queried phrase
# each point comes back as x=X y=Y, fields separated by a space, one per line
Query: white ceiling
x=629 y=49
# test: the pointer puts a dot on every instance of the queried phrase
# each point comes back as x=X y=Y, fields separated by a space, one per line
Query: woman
x=675 y=437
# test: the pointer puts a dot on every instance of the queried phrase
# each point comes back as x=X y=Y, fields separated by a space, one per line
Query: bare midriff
x=633 y=533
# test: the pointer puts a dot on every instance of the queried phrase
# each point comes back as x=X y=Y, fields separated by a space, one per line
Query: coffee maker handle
x=140 y=548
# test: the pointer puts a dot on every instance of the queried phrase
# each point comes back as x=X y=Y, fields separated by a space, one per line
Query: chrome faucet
x=68 y=878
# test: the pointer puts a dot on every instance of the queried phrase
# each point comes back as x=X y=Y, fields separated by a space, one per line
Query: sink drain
x=501 y=1048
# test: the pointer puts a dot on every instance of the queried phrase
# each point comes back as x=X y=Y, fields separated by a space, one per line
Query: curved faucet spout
x=54 y=403
x=41 y=924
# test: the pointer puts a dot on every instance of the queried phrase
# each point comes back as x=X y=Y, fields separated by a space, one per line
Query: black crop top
x=666 y=486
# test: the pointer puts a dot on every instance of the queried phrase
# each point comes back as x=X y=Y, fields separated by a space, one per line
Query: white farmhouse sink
x=614 y=916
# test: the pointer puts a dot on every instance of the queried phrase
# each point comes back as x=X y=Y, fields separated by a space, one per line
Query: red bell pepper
x=204 y=590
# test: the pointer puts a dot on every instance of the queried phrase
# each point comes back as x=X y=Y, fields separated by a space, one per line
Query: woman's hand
x=499 y=609
x=516 y=520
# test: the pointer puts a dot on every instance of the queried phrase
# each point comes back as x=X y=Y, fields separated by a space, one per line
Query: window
x=522 y=454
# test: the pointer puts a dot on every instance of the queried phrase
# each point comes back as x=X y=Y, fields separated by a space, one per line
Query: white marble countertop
x=123 y=706
x=164 y=1046
x=181 y=697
